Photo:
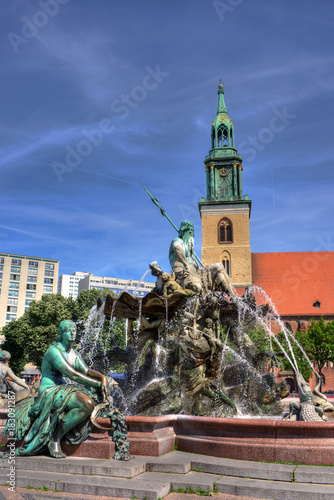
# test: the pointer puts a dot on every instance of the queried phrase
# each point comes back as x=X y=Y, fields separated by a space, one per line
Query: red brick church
x=300 y=284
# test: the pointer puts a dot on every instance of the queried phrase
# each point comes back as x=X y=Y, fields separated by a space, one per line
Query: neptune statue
x=186 y=269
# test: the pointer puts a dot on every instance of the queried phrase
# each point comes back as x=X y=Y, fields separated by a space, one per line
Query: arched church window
x=225 y=231
x=226 y=261
x=226 y=264
x=222 y=137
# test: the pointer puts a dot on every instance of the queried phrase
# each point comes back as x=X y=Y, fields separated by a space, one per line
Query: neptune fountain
x=190 y=348
x=190 y=352
x=189 y=343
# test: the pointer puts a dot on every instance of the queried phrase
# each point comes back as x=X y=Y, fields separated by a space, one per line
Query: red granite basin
x=309 y=443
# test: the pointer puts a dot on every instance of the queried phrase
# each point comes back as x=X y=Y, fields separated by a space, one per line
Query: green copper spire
x=223 y=168
x=222 y=131
x=221 y=101
x=223 y=165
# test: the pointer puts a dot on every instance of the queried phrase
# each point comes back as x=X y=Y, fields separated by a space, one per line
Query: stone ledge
x=310 y=443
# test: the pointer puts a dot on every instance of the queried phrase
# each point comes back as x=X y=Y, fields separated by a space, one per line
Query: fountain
x=191 y=365
x=199 y=362
x=191 y=351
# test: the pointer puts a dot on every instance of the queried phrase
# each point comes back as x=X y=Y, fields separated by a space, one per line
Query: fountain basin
x=310 y=443
x=256 y=439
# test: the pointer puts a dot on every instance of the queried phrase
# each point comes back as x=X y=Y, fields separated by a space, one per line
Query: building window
x=1 y=276
x=226 y=261
x=49 y=266
x=226 y=264
x=28 y=302
x=13 y=293
x=12 y=301
x=15 y=277
x=31 y=287
x=1 y=267
x=12 y=309
x=16 y=262
x=32 y=279
x=222 y=137
x=13 y=284
x=32 y=272
x=15 y=269
x=2 y=260
x=10 y=317
x=32 y=263
x=48 y=281
x=225 y=233
x=31 y=295
x=47 y=289
x=49 y=273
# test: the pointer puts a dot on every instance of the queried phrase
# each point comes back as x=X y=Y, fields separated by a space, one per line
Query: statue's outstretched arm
x=7 y=372
x=83 y=368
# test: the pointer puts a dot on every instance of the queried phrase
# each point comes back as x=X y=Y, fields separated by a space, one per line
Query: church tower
x=225 y=212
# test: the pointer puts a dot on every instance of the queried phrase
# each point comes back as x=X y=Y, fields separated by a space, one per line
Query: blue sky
x=97 y=97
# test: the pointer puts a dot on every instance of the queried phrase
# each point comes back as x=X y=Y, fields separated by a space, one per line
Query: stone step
x=199 y=481
x=274 y=490
x=83 y=466
x=90 y=485
x=242 y=468
x=307 y=474
x=177 y=463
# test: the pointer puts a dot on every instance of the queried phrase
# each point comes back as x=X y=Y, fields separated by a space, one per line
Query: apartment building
x=116 y=285
x=23 y=279
x=68 y=284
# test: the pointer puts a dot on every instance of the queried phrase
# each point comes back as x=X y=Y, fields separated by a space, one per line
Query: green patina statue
x=61 y=409
x=187 y=272
x=8 y=380
x=181 y=251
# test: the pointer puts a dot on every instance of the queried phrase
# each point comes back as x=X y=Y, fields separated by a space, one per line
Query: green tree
x=28 y=337
x=318 y=342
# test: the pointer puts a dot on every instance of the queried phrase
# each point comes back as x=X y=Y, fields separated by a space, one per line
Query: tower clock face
x=223 y=172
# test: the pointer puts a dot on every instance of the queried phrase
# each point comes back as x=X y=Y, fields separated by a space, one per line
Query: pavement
x=174 y=476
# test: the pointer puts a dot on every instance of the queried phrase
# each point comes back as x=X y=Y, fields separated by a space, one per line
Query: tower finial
x=221 y=102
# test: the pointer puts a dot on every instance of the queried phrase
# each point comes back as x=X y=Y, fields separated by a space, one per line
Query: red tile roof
x=296 y=280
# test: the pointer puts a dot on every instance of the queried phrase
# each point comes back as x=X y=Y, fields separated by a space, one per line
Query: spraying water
x=141 y=279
